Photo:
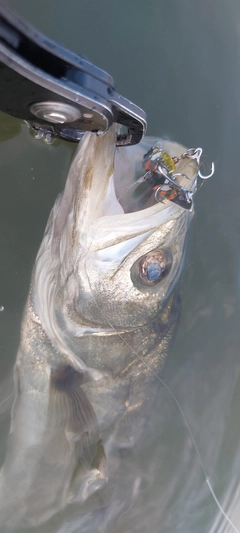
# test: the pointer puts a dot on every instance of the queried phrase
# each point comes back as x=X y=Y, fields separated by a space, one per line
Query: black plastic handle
x=57 y=91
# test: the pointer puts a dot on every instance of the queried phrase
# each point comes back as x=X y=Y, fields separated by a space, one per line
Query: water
x=179 y=60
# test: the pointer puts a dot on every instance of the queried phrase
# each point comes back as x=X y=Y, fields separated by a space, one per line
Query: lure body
x=160 y=175
x=157 y=163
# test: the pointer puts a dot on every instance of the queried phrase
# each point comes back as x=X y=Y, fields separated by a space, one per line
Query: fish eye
x=152 y=267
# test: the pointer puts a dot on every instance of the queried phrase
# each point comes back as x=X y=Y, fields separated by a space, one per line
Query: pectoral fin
x=73 y=425
x=69 y=445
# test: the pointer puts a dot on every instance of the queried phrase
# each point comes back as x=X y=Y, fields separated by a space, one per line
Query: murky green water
x=180 y=61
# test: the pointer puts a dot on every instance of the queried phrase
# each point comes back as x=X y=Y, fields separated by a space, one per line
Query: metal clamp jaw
x=57 y=91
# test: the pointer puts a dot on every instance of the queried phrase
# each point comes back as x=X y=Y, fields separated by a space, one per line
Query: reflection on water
x=180 y=62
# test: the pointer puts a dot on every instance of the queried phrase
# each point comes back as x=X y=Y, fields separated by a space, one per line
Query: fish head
x=115 y=258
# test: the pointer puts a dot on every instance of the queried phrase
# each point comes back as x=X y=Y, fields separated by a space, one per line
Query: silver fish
x=97 y=327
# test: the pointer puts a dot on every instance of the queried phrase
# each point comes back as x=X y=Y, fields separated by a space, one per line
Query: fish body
x=97 y=327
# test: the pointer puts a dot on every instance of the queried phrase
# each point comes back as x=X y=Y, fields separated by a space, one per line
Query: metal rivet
x=87 y=115
x=55 y=112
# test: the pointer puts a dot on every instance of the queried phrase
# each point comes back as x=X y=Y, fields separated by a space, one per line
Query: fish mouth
x=108 y=207
x=102 y=207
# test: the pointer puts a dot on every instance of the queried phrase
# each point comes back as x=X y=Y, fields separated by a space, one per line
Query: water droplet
x=49 y=138
x=38 y=134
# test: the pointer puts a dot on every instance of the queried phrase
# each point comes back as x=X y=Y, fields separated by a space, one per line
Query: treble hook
x=193 y=153
x=196 y=153
x=208 y=175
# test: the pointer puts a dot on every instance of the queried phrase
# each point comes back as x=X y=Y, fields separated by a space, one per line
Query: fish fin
x=72 y=421
x=65 y=456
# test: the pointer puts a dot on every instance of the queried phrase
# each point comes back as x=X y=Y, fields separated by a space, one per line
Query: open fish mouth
x=102 y=200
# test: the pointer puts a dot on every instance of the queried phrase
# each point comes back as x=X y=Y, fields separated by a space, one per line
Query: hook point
x=209 y=175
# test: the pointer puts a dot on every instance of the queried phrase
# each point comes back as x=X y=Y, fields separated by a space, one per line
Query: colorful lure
x=155 y=158
x=161 y=175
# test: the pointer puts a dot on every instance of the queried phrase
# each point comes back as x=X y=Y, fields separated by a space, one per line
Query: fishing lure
x=161 y=175
x=157 y=163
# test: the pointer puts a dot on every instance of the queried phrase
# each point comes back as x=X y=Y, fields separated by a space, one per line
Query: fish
x=100 y=318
